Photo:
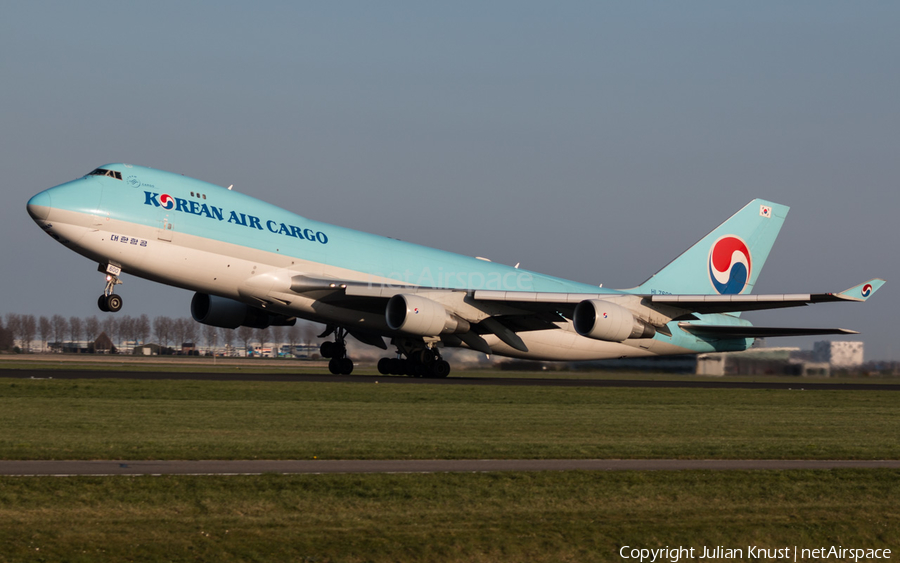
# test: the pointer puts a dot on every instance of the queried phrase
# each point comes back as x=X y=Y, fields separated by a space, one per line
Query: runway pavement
x=289 y=467
x=800 y=384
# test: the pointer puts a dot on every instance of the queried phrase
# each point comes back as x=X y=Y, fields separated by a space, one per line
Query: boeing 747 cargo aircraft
x=254 y=264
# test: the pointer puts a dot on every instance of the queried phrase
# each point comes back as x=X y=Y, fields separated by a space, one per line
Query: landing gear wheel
x=340 y=366
x=440 y=369
x=422 y=360
x=395 y=366
x=109 y=302
x=114 y=303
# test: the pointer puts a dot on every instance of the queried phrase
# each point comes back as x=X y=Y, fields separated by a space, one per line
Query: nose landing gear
x=109 y=302
x=339 y=363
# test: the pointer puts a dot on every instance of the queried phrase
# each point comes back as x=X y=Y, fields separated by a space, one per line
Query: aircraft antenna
x=231 y=186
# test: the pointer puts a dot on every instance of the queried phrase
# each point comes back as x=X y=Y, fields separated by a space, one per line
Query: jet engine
x=417 y=315
x=602 y=320
x=228 y=313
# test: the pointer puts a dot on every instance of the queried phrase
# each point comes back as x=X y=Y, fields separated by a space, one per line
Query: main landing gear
x=421 y=360
x=339 y=363
x=109 y=302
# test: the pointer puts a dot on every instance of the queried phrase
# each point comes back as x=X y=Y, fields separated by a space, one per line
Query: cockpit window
x=105 y=172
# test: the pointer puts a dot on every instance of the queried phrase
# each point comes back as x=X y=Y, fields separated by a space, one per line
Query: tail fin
x=728 y=260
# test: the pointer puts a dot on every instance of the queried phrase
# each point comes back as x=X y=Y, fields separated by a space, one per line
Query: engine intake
x=602 y=320
x=228 y=313
x=417 y=315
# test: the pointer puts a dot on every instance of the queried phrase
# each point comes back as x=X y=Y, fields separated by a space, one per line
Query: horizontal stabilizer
x=717 y=331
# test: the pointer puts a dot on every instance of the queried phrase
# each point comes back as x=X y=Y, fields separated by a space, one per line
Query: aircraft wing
x=550 y=306
x=505 y=313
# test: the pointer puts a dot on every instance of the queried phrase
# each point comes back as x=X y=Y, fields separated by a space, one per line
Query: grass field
x=132 y=419
x=570 y=516
x=552 y=516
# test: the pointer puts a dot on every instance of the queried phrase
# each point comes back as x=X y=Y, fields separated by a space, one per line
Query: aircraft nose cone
x=39 y=206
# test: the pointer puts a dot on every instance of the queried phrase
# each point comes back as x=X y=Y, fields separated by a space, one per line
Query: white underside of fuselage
x=263 y=279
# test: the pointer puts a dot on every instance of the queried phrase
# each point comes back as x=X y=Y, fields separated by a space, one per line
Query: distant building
x=103 y=345
x=838 y=353
x=260 y=352
x=299 y=350
x=149 y=349
x=755 y=361
x=685 y=363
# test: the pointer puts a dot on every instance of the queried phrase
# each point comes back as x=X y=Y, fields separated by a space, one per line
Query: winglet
x=862 y=291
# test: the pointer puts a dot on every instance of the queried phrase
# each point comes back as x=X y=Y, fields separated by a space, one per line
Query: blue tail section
x=728 y=260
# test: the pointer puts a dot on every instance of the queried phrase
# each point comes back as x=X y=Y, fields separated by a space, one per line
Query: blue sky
x=593 y=141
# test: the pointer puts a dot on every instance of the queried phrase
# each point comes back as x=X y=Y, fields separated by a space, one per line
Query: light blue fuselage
x=137 y=221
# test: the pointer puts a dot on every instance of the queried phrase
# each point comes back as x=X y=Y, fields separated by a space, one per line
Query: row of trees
x=23 y=330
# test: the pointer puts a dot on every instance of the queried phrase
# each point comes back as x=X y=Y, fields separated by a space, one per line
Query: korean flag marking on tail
x=765 y=211
x=867 y=290
x=729 y=265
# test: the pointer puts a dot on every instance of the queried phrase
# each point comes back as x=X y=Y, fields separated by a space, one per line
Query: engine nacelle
x=417 y=315
x=228 y=313
x=602 y=320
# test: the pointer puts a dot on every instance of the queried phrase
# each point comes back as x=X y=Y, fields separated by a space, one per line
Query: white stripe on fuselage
x=252 y=276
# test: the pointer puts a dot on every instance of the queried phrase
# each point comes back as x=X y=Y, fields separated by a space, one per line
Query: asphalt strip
x=295 y=467
x=800 y=385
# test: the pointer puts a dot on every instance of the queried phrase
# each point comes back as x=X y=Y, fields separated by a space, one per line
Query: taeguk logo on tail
x=729 y=265
x=867 y=290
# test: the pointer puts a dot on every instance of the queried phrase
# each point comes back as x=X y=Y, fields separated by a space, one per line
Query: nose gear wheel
x=110 y=302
